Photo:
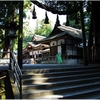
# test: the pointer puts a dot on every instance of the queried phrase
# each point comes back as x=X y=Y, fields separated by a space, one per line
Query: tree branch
x=52 y=10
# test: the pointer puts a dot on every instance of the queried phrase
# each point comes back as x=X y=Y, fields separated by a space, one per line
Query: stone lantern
x=10 y=29
x=10 y=34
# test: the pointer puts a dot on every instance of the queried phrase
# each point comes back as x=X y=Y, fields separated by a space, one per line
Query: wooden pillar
x=96 y=28
x=83 y=35
x=20 y=38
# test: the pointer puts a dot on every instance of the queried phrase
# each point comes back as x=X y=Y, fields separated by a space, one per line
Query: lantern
x=46 y=21
x=10 y=29
x=34 y=13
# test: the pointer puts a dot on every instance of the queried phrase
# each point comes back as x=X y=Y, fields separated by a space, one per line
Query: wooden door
x=53 y=51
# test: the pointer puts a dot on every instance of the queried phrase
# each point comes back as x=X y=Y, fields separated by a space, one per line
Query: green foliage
x=15 y=44
x=60 y=7
x=87 y=22
x=8 y=11
x=42 y=29
x=67 y=7
x=27 y=39
x=28 y=32
x=24 y=14
x=1 y=38
x=27 y=4
x=73 y=18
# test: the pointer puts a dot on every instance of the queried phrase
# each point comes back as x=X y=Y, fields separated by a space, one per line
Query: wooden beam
x=20 y=36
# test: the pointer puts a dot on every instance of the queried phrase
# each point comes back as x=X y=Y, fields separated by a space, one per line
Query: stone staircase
x=64 y=82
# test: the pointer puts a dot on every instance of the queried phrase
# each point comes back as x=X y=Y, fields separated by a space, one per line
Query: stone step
x=60 y=84
x=91 y=95
x=36 y=75
x=56 y=66
x=58 y=78
x=71 y=91
x=59 y=69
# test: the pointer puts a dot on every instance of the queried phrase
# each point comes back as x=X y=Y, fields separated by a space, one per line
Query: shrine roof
x=62 y=30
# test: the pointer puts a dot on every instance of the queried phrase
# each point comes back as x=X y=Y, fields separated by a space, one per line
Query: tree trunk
x=20 y=36
x=83 y=35
x=90 y=40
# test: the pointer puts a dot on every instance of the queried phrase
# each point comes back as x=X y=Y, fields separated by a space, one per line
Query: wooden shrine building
x=63 y=40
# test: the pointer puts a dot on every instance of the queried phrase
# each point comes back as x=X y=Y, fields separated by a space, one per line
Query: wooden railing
x=16 y=72
x=11 y=62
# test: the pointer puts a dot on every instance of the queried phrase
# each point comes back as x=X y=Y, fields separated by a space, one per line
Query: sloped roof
x=71 y=31
x=38 y=46
x=62 y=30
x=37 y=37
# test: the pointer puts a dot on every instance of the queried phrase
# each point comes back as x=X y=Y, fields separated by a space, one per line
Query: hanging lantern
x=34 y=13
x=10 y=29
x=57 y=21
x=46 y=21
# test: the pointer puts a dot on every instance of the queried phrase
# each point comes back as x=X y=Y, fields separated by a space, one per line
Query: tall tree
x=7 y=13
